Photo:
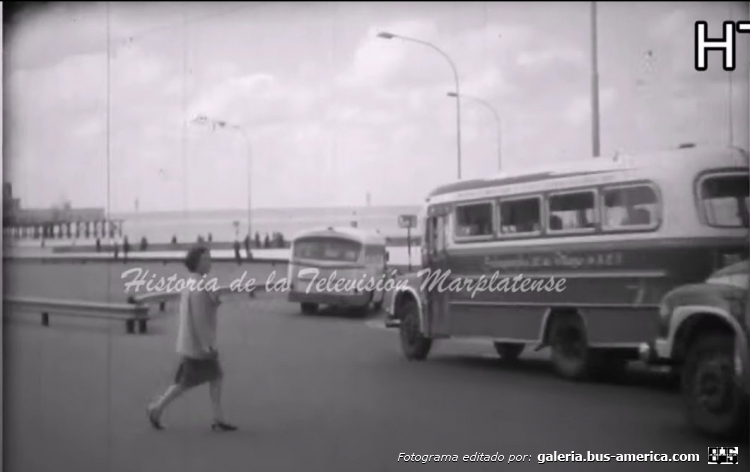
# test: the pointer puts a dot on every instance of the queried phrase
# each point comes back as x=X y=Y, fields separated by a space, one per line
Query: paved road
x=323 y=393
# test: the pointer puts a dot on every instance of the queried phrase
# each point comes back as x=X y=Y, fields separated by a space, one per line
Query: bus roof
x=345 y=232
x=663 y=162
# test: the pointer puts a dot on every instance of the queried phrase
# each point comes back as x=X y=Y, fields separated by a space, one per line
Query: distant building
x=35 y=222
x=27 y=216
x=11 y=206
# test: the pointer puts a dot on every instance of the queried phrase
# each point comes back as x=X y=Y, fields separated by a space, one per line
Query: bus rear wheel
x=509 y=351
x=571 y=355
x=414 y=345
x=309 y=308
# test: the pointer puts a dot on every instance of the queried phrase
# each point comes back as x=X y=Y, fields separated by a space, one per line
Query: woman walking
x=196 y=345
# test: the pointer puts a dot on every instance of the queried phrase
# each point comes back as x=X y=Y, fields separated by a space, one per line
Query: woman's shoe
x=153 y=419
x=221 y=426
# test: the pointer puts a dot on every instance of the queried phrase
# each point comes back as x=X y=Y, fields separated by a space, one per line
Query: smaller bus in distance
x=332 y=267
x=620 y=232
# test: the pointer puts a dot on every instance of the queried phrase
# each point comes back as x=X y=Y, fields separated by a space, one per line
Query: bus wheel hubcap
x=711 y=389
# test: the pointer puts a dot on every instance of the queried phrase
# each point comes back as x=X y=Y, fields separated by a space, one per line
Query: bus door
x=438 y=301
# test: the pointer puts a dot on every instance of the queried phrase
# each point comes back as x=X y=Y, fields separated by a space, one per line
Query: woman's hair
x=194 y=256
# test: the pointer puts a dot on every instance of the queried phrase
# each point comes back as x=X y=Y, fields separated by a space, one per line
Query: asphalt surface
x=323 y=393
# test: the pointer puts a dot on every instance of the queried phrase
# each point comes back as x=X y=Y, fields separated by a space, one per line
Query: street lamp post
x=497 y=122
x=386 y=35
x=595 y=144
x=204 y=120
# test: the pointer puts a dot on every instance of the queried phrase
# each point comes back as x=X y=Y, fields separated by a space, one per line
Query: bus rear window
x=375 y=254
x=724 y=200
x=340 y=250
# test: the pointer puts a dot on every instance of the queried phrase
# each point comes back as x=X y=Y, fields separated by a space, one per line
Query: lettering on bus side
x=559 y=259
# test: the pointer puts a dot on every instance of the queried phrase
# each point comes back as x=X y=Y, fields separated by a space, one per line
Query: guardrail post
x=129 y=326
x=45 y=319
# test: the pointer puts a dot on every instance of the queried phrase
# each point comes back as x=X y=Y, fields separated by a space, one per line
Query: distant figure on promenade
x=98 y=244
x=125 y=248
x=247 y=244
x=257 y=239
x=144 y=243
x=237 y=254
x=116 y=249
x=210 y=238
x=267 y=242
x=196 y=345
x=174 y=240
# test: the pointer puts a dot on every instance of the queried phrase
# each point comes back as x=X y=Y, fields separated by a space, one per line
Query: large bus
x=590 y=248
x=350 y=255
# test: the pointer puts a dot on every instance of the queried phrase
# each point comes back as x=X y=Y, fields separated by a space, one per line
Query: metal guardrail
x=135 y=311
x=163 y=298
x=130 y=313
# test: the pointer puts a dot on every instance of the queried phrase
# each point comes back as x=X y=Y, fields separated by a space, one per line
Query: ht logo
x=704 y=44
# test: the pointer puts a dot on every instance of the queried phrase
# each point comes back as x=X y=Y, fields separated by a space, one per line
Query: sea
x=227 y=225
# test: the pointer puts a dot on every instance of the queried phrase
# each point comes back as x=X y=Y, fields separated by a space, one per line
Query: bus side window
x=636 y=205
x=724 y=200
x=520 y=215
x=474 y=220
x=572 y=211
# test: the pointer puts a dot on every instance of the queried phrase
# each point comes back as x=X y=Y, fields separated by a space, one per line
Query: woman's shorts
x=193 y=372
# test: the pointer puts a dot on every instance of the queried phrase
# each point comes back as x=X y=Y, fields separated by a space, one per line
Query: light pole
x=386 y=35
x=594 y=85
x=204 y=120
x=497 y=121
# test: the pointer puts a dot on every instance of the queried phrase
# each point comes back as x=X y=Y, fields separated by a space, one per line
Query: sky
x=329 y=112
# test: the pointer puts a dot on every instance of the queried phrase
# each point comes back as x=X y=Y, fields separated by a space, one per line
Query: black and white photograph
x=375 y=236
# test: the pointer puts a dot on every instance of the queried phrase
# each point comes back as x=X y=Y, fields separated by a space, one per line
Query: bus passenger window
x=724 y=200
x=474 y=220
x=636 y=205
x=572 y=211
x=520 y=216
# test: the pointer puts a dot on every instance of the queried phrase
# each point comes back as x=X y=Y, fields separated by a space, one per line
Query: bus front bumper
x=657 y=352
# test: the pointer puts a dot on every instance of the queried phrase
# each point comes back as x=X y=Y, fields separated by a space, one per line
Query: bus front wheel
x=309 y=308
x=715 y=404
x=414 y=345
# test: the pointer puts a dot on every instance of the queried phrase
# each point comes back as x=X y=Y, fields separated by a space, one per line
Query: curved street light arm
x=455 y=77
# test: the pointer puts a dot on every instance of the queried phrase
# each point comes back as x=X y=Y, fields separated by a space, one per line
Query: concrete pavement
x=322 y=393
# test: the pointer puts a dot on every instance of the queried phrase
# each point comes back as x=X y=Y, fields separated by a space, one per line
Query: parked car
x=704 y=333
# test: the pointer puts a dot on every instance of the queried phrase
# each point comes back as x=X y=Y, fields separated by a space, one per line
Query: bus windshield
x=327 y=249
x=725 y=200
